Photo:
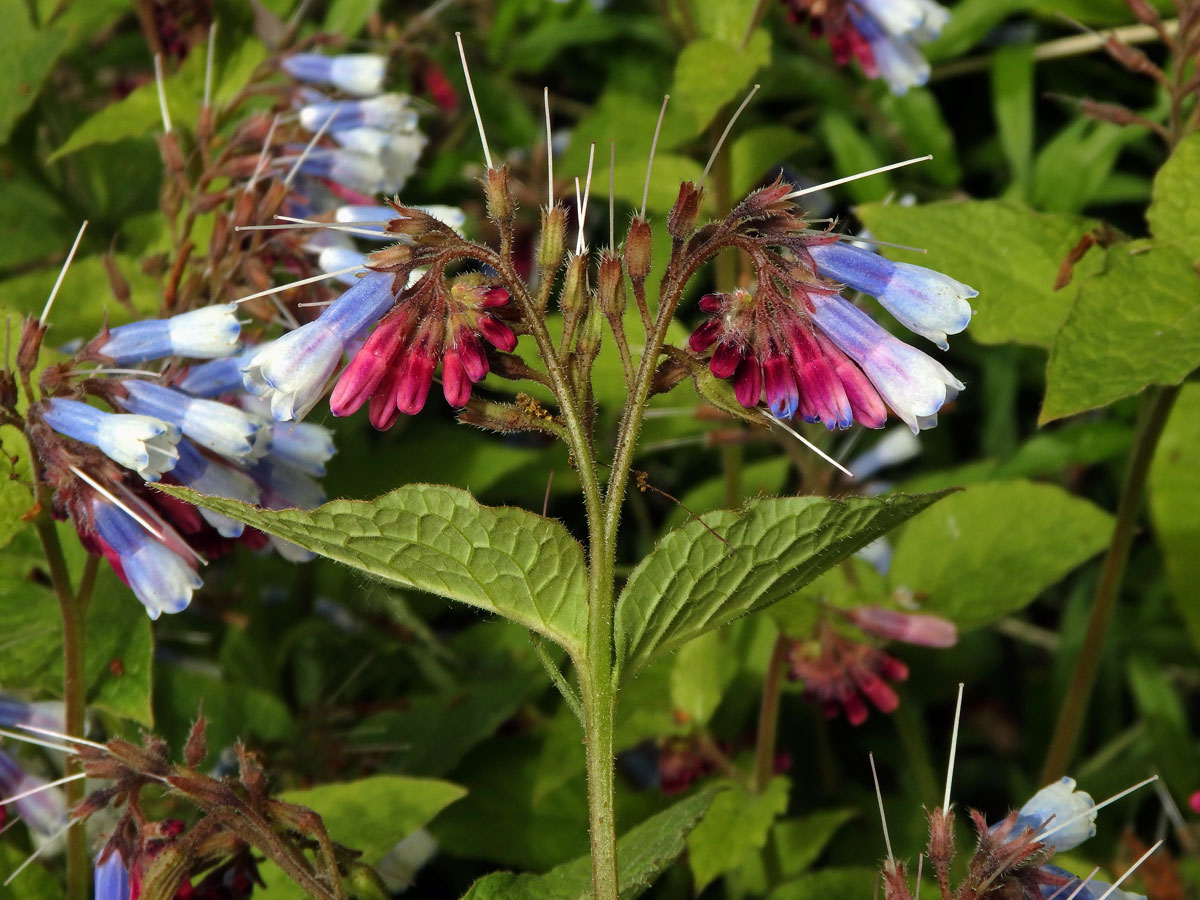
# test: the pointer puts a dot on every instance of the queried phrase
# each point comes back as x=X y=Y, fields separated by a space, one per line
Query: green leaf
x=700 y=673
x=735 y=827
x=1174 y=499
x=1012 y=100
x=1160 y=707
x=797 y=845
x=347 y=17
x=828 y=884
x=441 y=540
x=853 y=152
x=692 y=583
x=1006 y=251
x=369 y=815
x=233 y=711
x=1174 y=214
x=1135 y=324
x=991 y=549
x=15 y=501
x=33 y=222
x=1076 y=162
x=27 y=57
x=642 y=853
x=711 y=73
x=120 y=651
x=35 y=883
x=920 y=120
x=758 y=152
x=971 y=22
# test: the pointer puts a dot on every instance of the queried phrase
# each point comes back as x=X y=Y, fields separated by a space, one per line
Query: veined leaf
x=692 y=582
x=737 y=825
x=440 y=539
x=642 y=853
x=1174 y=214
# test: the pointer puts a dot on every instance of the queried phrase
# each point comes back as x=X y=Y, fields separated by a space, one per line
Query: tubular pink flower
x=912 y=628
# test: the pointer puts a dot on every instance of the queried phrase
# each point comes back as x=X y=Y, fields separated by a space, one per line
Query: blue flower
x=387 y=112
x=143 y=443
x=216 y=480
x=360 y=74
x=112 y=876
x=291 y=372
x=913 y=384
x=1067 y=814
x=220 y=427
x=205 y=333
x=926 y=302
x=45 y=811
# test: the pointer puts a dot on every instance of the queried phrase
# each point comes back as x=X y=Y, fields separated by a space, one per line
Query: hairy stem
x=1155 y=407
x=71 y=607
x=768 y=715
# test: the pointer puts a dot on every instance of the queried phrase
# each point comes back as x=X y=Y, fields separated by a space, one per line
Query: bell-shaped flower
x=216 y=479
x=914 y=385
x=304 y=445
x=112 y=876
x=161 y=578
x=360 y=74
x=222 y=428
x=291 y=372
x=146 y=444
x=1066 y=816
x=396 y=154
x=387 y=112
x=44 y=809
x=206 y=333
x=361 y=172
x=219 y=376
x=48 y=715
x=926 y=302
x=286 y=487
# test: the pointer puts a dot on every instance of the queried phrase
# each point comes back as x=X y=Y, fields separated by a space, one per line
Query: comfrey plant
x=445 y=307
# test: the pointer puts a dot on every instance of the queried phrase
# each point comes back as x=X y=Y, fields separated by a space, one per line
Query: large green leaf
x=369 y=815
x=988 y=551
x=692 y=582
x=1174 y=214
x=711 y=73
x=1174 y=500
x=797 y=844
x=1006 y=251
x=1012 y=102
x=642 y=853
x=735 y=827
x=27 y=56
x=440 y=539
x=828 y=884
x=1135 y=324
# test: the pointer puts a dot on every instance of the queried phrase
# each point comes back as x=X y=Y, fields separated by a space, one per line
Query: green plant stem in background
x=1153 y=411
x=768 y=714
x=72 y=607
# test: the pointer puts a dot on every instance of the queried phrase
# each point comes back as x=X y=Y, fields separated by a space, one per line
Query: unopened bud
x=572 y=300
x=365 y=883
x=396 y=257
x=168 y=146
x=669 y=373
x=639 y=249
x=499 y=201
x=610 y=287
x=912 y=628
x=941 y=841
x=1145 y=13
x=30 y=345
x=507 y=418
x=550 y=247
x=196 y=748
x=681 y=221
x=588 y=345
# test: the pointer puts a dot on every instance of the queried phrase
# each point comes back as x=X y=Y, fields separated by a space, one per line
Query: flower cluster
x=811 y=352
x=883 y=35
x=840 y=673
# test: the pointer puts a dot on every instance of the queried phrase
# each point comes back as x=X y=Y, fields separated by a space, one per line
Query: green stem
x=768 y=714
x=1155 y=407
x=599 y=707
x=74 y=686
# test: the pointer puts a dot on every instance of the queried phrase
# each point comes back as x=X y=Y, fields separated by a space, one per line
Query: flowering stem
x=1152 y=417
x=768 y=715
x=74 y=685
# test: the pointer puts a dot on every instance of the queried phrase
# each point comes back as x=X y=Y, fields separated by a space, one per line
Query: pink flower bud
x=497 y=333
x=705 y=334
x=725 y=359
x=456 y=386
x=367 y=369
x=471 y=354
x=926 y=630
x=747 y=382
x=413 y=386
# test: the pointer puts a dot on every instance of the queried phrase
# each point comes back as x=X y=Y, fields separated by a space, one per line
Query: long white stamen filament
x=208 y=64
x=855 y=239
x=308 y=149
x=1078 y=888
x=285 y=316
x=849 y=178
x=162 y=99
x=1141 y=859
x=953 y=748
x=887 y=840
x=109 y=495
x=724 y=134
x=549 y=152
x=62 y=737
x=303 y=281
x=315 y=303
x=1091 y=809
x=578 y=208
x=653 y=146
x=587 y=190
x=809 y=444
x=43 y=787
x=262 y=155
x=50 y=841
x=462 y=54
x=339 y=226
x=17 y=736
x=90 y=372
x=62 y=273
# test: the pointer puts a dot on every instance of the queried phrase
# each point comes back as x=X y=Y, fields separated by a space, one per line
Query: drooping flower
x=215 y=479
x=360 y=74
x=112 y=876
x=45 y=809
x=222 y=428
x=838 y=673
x=205 y=333
x=394 y=368
x=291 y=372
x=926 y=302
x=139 y=442
x=385 y=112
x=911 y=628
